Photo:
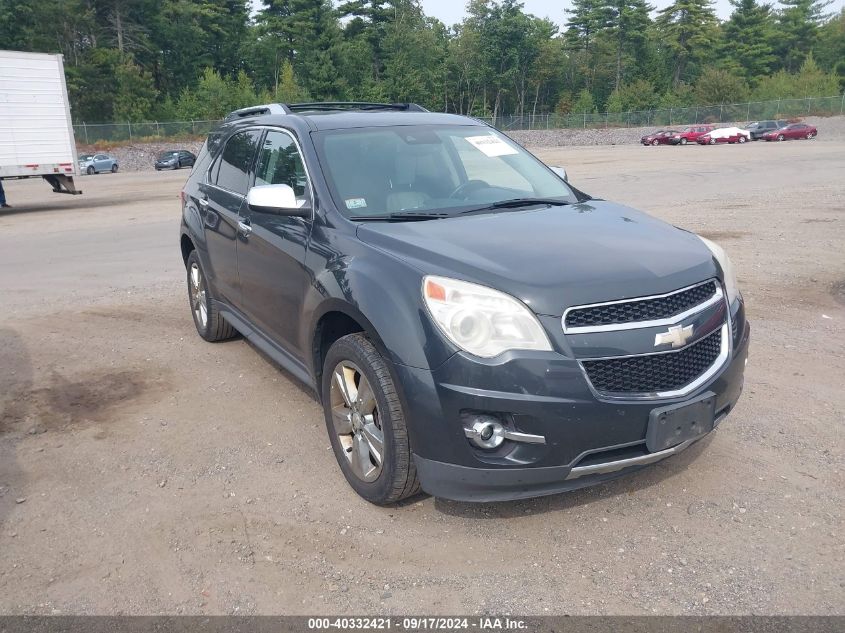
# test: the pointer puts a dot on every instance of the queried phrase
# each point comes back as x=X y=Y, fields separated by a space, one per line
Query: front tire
x=781 y=137
x=742 y=139
x=366 y=422
x=712 y=141
x=210 y=325
x=90 y=171
x=655 y=143
x=683 y=141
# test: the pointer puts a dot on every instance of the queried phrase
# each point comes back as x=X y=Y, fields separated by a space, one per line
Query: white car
x=724 y=135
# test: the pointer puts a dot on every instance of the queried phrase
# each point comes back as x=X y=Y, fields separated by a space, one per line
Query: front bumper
x=588 y=439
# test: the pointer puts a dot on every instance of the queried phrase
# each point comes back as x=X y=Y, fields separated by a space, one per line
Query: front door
x=271 y=256
x=220 y=202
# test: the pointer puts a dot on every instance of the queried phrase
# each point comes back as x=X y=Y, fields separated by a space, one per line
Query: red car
x=661 y=137
x=792 y=131
x=724 y=135
x=691 y=134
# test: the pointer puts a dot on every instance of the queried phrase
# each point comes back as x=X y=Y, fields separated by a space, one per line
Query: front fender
x=385 y=296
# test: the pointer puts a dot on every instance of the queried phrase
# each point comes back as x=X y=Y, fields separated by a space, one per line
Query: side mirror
x=278 y=200
x=560 y=171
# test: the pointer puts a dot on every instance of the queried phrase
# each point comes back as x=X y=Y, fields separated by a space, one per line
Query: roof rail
x=353 y=105
x=268 y=108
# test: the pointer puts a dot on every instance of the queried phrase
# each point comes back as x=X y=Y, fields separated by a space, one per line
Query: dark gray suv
x=473 y=325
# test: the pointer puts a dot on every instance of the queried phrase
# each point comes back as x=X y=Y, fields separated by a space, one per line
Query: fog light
x=485 y=432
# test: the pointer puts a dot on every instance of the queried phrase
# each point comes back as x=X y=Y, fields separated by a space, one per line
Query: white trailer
x=36 y=133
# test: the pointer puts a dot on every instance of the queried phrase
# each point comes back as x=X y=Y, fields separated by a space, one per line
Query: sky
x=452 y=11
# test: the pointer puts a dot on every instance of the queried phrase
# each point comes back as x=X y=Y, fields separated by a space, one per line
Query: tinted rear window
x=232 y=171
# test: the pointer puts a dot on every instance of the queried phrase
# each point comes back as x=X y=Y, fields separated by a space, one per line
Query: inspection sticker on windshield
x=355 y=203
x=491 y=145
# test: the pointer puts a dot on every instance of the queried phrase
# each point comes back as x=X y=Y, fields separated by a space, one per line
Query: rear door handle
x=244 y=228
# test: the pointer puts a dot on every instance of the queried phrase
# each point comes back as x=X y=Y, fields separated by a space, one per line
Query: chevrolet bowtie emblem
x=676 y=336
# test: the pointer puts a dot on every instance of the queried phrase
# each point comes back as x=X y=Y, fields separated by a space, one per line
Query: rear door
x=271 y=256
x=221 y=197
x=102 y=162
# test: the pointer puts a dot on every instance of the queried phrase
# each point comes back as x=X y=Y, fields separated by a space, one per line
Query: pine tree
x=626 y=24
x=689 y=30
x=304 y=33
x=747 y=39
x=797 y=30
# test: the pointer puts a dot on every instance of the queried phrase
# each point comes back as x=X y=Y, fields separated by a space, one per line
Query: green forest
x=142 y=60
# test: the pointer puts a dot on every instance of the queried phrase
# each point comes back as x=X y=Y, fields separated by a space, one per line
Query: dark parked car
x=175 y=159
x=792 y=132
x=661 y=137
x=473 y=325
x=759 y=129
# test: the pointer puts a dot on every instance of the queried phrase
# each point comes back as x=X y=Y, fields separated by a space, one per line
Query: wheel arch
x=186 y=245
x=336 y=319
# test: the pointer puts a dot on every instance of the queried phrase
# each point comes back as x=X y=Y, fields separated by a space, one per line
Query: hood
x=552 y=257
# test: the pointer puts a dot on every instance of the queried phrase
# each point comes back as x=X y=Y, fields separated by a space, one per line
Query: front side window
x=378 y=171
x=232 y=169
x=279 y=163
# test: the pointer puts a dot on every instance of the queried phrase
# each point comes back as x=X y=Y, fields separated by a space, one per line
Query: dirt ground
x=145 y=471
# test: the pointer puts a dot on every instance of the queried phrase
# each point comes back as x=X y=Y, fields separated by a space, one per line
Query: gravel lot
x=145 y=471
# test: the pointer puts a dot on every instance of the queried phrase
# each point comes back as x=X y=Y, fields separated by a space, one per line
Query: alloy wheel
x=198 y=296
x=356 y=420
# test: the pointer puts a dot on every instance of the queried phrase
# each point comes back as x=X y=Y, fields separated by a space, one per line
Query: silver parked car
x=96 y=163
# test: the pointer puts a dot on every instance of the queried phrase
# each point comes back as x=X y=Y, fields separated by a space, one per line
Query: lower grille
x=653 y=373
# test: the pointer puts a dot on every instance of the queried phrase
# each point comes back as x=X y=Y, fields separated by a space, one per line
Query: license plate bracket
x=675 y=424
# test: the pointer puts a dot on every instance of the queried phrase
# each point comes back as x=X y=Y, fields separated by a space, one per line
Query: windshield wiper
x=516 y=203
x=401 y=216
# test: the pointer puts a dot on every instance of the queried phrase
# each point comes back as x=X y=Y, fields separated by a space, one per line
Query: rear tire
x=366 y=422
x=210 y=325
x=114 y=169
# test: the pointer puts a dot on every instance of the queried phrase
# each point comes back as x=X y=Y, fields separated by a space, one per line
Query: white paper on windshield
x=491 y=145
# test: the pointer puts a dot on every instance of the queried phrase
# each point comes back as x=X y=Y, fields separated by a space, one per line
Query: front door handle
x=244 y=227
x=203 y=202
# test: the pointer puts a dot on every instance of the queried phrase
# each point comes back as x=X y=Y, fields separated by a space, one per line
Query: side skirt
x=277 y=353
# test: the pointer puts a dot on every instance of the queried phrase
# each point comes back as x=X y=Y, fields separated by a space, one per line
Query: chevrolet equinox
x=473 y=326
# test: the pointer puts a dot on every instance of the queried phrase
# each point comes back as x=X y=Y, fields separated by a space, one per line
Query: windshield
x=426 y=169
x=165 y=155
x=86 y=157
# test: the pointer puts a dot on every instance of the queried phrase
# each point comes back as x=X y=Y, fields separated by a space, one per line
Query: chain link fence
x=752 y=111
x=93 y=133
x=734 y=112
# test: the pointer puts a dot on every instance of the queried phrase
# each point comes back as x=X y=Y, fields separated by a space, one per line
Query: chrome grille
x=645 y=309
x=654 y=373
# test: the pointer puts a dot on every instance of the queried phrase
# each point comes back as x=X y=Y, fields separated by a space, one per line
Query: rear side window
x=231 y=171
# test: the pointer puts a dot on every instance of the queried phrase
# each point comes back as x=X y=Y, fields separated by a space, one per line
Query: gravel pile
x=140 y=156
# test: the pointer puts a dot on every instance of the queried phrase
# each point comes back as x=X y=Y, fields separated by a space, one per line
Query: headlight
x=727 y=266
x=480 y=320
